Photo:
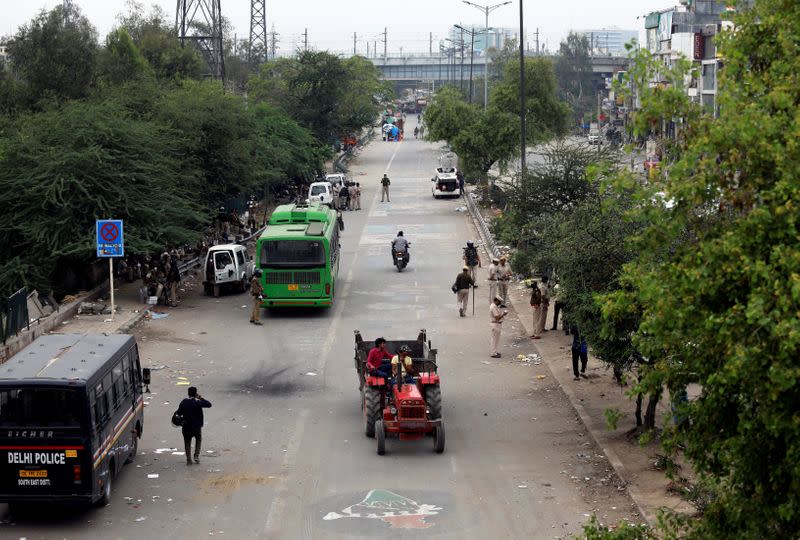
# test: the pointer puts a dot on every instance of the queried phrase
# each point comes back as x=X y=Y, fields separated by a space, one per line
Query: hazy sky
x=331 y=23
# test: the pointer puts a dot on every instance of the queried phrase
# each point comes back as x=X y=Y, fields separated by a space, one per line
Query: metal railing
x=483 y=228
x=14 y=315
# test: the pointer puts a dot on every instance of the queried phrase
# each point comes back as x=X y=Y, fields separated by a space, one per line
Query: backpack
x=536 y=296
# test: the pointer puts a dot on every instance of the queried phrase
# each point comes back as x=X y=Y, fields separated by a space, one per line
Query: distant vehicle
x=320 y=192
x=335 y=179
x=445 y=183
x=71 y=415
x=594 y=138
x=298 y=253
x=227 y=266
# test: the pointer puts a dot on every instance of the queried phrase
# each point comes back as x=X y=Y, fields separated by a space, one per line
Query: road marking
x=398 y=511
x=394 y=154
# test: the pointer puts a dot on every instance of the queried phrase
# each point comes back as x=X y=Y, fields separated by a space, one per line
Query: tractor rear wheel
x=433 y=399
x=438 y=438
x=372 y=409
x=380 y=435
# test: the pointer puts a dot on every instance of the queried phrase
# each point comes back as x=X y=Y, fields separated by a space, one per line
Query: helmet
x=469 y=243
x=257 y=272
x=400 y=233
x=404 y=349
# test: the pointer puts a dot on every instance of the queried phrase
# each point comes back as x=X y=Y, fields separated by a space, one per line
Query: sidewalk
x=591 y=397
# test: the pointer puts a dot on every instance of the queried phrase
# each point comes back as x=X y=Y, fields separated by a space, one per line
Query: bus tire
x=105 y=496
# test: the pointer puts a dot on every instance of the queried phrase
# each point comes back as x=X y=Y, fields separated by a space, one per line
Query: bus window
x=119 y=387
x=126 y=373
x=137 y=369
x=100 y=406
x=292 y=254
x=108 y=388
x=40 y=407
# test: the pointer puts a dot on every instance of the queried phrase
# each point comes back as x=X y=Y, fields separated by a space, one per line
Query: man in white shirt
x=496 y=316
x=493 y=278
x=503 y=277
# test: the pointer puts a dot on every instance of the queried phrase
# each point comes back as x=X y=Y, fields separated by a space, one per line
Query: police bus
x=71 y=415
x=298 y=254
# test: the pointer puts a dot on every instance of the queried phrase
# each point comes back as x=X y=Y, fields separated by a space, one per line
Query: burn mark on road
x=274 y=382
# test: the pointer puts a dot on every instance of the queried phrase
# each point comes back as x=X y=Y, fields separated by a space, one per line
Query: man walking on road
x=473 y=260
x=462 y=285
x=385 y=182
x=580 y=350
x=358 y=196
x=258 y=295
x=191 y=409
x=496 y=316
x=545 y=288
x=503 y=277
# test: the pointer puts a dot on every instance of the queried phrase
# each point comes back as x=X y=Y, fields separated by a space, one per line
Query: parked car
x=335 y=179
x=594 y=138
x=227 y=266
x=321 y=192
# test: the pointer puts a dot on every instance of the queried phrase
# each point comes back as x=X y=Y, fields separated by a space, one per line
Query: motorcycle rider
x=400 y=244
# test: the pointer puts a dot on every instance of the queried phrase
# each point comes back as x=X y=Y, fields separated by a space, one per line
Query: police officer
x=258 y=295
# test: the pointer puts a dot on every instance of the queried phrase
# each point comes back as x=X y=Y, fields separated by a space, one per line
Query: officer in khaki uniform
x=258 y=294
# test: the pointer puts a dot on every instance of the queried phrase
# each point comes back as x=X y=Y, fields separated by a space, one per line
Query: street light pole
x=486 y=10
x=522 y=137
x=471 y=55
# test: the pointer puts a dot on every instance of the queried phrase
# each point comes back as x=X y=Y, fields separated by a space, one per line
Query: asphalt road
x=284 y=453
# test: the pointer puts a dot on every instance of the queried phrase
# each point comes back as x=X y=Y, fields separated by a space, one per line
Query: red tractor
x=408 y=410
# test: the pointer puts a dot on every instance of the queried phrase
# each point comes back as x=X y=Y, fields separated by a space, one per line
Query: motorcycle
x=401 y=258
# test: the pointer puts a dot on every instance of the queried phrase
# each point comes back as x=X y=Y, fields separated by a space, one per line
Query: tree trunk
x=639 y=410
x=650 y=414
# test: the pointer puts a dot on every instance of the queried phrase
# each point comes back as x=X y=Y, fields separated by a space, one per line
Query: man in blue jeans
x=375 y=360
x=580 y=350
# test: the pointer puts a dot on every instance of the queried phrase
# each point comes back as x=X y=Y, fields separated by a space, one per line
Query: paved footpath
x=591 y=397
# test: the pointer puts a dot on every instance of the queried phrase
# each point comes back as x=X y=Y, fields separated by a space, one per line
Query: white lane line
x=394 y=154
x=276 y=509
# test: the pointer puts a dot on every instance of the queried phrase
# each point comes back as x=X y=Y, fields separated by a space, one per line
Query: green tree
x=64 y=168
x=55 y=54
x=155 y=37
x=325 y=94
x=120 y=60
x=573 y=69
x=546 y=117
x=480 y=138
x=721 y=310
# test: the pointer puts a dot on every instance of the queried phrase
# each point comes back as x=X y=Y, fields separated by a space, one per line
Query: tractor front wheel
x=433 y=399
x=380 y=435
x=372 y=409
x=438 y=438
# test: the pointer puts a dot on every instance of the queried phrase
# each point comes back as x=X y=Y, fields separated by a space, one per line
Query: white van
x=227 y=265
x=335 y=179
x=321 y=192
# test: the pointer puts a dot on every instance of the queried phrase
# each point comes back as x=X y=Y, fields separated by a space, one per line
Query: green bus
x=298 y=254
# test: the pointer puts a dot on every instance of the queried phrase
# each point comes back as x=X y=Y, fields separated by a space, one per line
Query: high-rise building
x=495 y=38
x=609 y=41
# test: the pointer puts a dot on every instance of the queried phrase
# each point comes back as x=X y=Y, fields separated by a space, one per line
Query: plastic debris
x=182 y=383
x=140 y=519
x=152 y=475
x=311 y=374
x=157 y=315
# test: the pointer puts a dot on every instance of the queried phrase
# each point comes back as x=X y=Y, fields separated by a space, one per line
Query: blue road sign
x=110 y=242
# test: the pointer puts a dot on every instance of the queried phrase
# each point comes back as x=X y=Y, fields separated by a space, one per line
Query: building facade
x=609 y=41
x=495 y=38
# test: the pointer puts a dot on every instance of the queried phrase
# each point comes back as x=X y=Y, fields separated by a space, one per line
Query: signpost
x=110 y=244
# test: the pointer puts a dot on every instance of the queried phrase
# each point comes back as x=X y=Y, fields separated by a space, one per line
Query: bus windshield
x=292 y=254
x=36 y=406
